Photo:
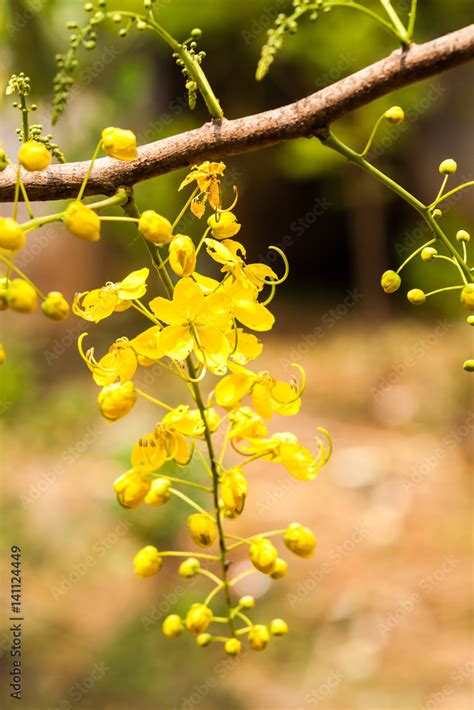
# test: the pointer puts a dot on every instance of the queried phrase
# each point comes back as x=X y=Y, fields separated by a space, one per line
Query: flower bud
x=119 y=143
x=232 y=647
x=21 y=296
x=12 y=237
x=172 y=626
x=82 y=221
x=3 y=294
x=437 y=213
x=258 y=637
x=131 y=489
x=462 y=235
x=448 y=167
x=416 y=296
x=429 y=253
x=278 y=627
x=234 y=491
x=247 y=602
x=470 y=320
x=390 y=281
x=55 y=306
x=2 y=355
x=34 y=156
x=468 y=365
x=467 y=297
x=189 y=568
x=147 y=561
x=203 y=640
x=280 y=569
x=299 y=540
x=155 y=228
x=202 y=529
x=3 y=161
x=395 y=115
x=116 y=400
x=159 y=492
x=263 y=555
x=182 y=255
x=198 y=618
x=224 y=225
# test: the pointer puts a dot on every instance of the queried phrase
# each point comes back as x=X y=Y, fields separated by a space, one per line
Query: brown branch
x=215 y=141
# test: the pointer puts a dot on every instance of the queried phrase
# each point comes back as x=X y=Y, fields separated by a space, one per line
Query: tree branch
x=218 y=140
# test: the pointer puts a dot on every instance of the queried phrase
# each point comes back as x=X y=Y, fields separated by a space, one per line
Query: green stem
x=152 y=399
x=334 y=143
x=185 y=482
x=397 y=23
x=89 y=170
x=182 y=553
x=366 y=11
x=412 y=19
x=189 y=501
x=186 y=205
x=24 y=118
x=412 y=256
x=450 y=193
x=12 y=266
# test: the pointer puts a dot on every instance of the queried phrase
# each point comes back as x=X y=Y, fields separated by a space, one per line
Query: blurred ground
x=379 y=618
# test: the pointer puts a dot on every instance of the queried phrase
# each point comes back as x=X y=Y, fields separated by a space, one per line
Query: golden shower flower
x=155 y=228
x=223 y=225
x=131 y=488
x=202 y=529
x=246 y=424
x=172 y=626
x=390 y=281
x=119 y=363
x=158 y=492
x=263 y=554
x=102 y=302
x=467 y=297
x=189 y=568
x=119 y=143
x=82 y=221
x=189 y=421
x=195 y=322
x=182 y=255
x=21 y=296
x=147 y=561
x=55 y=306
x=198 y=618
x=34 y=156
x=165 y=443
x=207 y=176
x=116 y=400
x=12 y=236
x=244 y=346
x=284 y=448
x=299 y=540
x=234 y=490
x=258 y=637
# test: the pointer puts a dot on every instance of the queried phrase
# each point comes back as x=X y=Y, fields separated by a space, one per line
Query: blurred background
x=380 y=618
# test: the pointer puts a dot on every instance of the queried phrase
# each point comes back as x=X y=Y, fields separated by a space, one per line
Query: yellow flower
x=280 y=569
x=448 y=166
x=147 y=344
x=244 y=346
x=119 y=363
x=165 y=443
x=246 y=424
x=258 y=637
x=467 y=297
x=195 y=322
x=202 y=529
x=172 y=626
x=299 y=540
x=249 y=276
x=116 y=400
x=189 y=421
x=147 y=561
x=278 y=627
x=284 y=447
x=263 y=554
x=21 y=296
x=2 y=355
x=182 y=255
x=34 y=156
x=207 y=176
x=12 y=237
x=189 y=568
x=232 y=647
x=159 y=492
x=131 y=489
x=234 y=490
x=55 y=306
x=198 y=618
x=246 y=308
x=119 y=143
x=102 y=302
x=82 y=221
x=268 y=395
x=155 y=228
x=223 y=225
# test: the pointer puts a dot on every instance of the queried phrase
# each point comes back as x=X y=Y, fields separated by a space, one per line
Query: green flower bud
x=203 y=640
x=428 y=253
x=467 y=297
x=448 y=167
x=462 y=235
x=390 y=281
x=416 y=296
x=3 y=160
x=189 y=568
x=470 y=320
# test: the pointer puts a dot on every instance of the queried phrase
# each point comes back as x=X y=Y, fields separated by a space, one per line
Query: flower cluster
x=203 y=326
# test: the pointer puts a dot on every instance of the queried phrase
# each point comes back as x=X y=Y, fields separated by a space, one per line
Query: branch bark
x=214 y=141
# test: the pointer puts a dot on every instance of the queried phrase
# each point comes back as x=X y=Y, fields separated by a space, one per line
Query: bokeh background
x=380 y=618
